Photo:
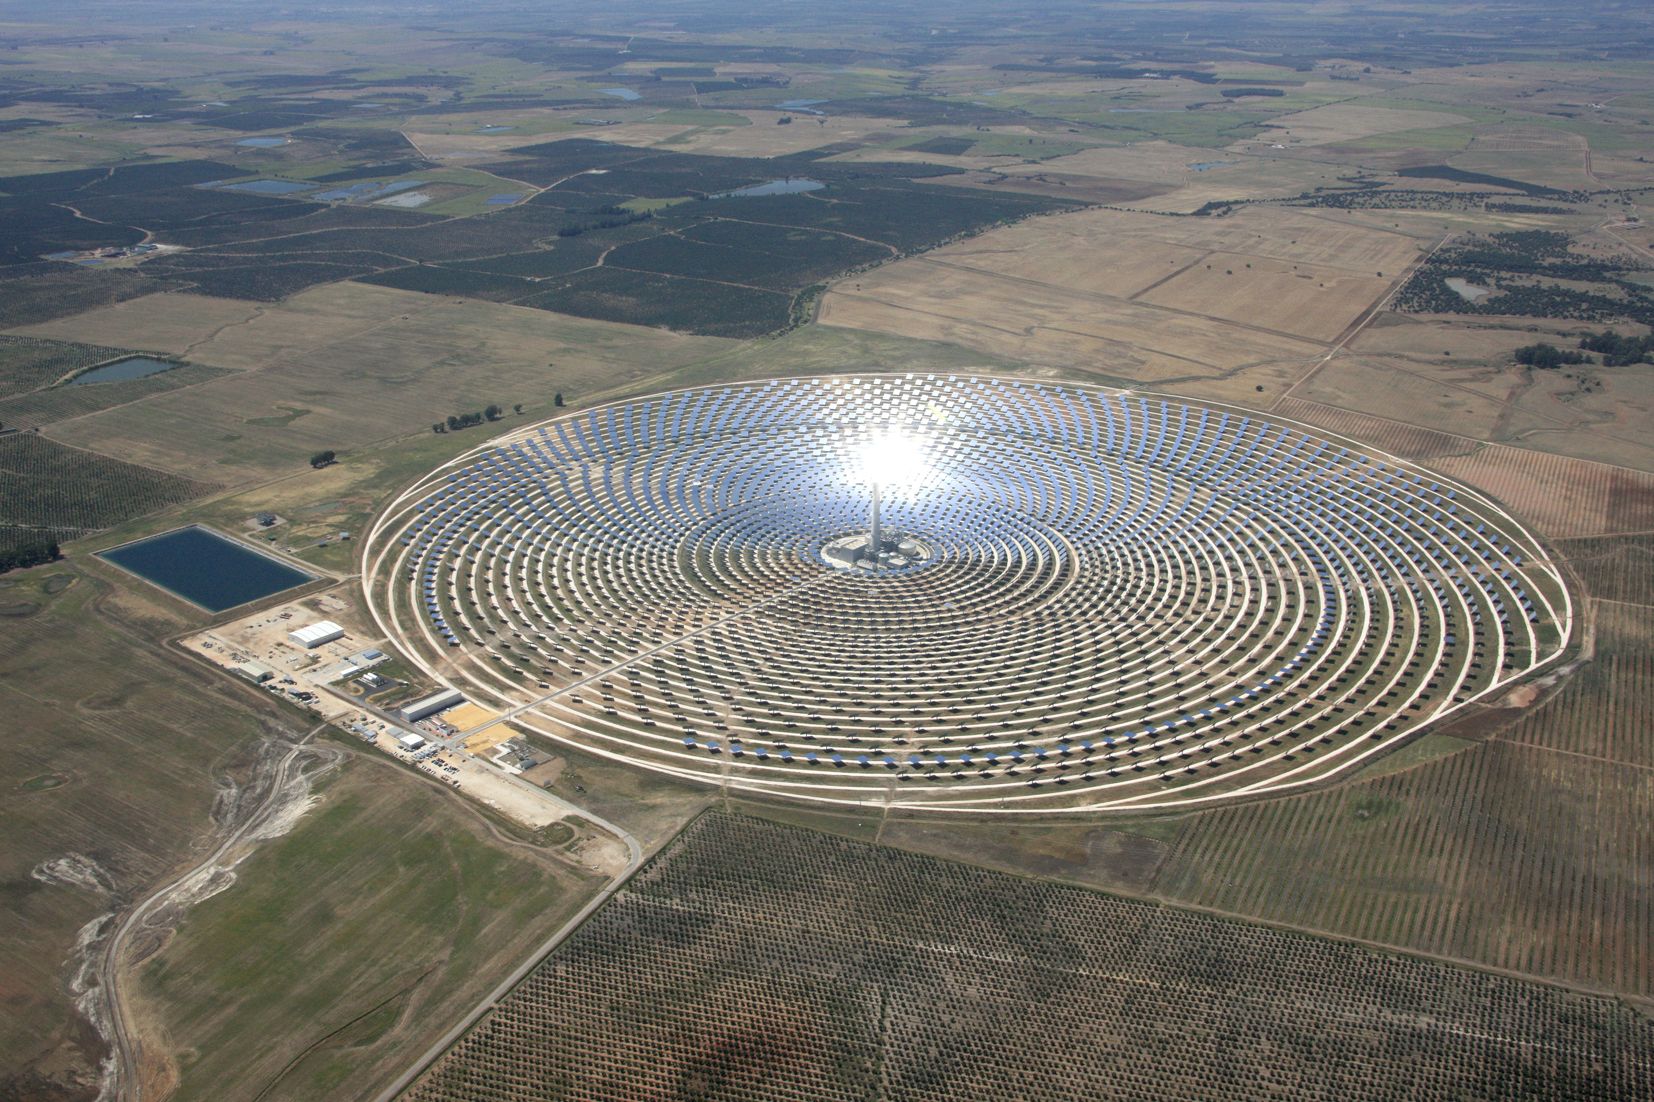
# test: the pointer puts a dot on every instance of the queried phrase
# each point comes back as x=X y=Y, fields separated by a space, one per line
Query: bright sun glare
x=892 y=457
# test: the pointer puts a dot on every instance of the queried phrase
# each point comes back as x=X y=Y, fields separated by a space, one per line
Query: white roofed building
x=314 y=635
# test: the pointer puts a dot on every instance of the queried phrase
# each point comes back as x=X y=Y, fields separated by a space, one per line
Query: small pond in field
x=365 y=191
x=262 y=143
x=133 y=367
x=620 y=93
x=792 y=185
x=265 y=187
x=205 y=568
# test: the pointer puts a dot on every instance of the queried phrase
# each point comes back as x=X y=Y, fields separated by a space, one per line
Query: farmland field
x=1250 y=298
x=52 y=486
x=414 y=359
x=267 y=247
x=1050 y=324
x=752 y=960
x=349 y=227
x=1564 y=497
x=127 y=757
x=250 y=959
x=1528 y=851
x=1615 y=568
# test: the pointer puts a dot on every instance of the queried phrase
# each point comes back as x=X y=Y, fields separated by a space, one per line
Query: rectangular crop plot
x=48 y=485
x=646 y=298
x=204 y=568
x=752 y=961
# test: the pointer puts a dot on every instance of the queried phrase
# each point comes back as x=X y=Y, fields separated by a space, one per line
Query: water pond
x=133 y=367
x=792 y=185
x=620 y=93
x=262 y=143
x=365 y=191
x=204 y=568
x=265 y=187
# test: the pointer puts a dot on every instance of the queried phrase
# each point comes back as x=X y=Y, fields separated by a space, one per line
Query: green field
x=335 y=925
x=116 y=749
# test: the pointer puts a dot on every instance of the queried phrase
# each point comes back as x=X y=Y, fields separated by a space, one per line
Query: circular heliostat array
x=1078 y=598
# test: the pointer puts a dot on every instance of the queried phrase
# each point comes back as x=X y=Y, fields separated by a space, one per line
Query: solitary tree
x=438 y=426
x=557 y=399
x=323 y=459
x=518 y=408
x=492 y=412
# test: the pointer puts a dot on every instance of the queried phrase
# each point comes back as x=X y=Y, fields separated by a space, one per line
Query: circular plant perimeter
x=1129 y=602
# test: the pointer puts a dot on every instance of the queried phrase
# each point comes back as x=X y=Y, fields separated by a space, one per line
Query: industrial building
x=410 y=742
x=256 y=672
x=314 y=635
x=431 y=705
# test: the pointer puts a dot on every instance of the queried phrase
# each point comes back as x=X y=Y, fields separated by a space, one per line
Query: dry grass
x=1455 y=393
x=1343 y=122
x=764 y=138
x=1141 y=298
x=1046 y=324
x=1080 y=252
x=1434 y=371
x=1304 y=299
x=112 y=754
x=1561 y=496
x=344 y=366
x=346 y=946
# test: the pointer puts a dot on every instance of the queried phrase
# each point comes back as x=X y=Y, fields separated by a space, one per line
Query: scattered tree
x=518 y=408
x=493 y=412
x=1547 y=357
x=29 y=554
x=438 y=426
x=557 y=399
x=1618 y=351
x=323 y=459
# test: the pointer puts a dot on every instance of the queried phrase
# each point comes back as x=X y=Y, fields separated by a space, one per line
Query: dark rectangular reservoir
x=205 y=568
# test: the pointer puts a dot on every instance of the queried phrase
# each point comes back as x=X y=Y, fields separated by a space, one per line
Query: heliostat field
x=1081 y=598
